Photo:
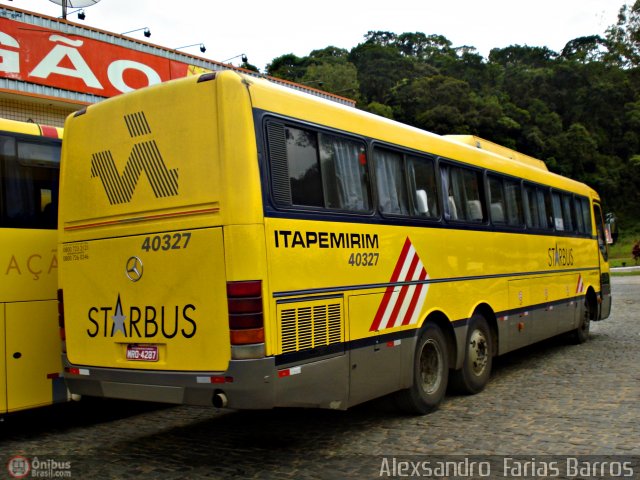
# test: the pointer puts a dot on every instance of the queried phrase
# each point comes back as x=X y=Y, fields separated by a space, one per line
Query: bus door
x=603 y=257
x=32 y=355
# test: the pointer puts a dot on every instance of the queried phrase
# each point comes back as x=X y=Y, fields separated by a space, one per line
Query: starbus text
x=560 y=257
x=142 y=322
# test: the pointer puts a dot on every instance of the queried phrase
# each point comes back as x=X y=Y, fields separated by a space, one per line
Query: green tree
x=329 y=55
x=623 y=38
x=522 y=55
x=288 y=67
x=591 y=48
x=438 y=103
x=338 y=78
x=380 y=67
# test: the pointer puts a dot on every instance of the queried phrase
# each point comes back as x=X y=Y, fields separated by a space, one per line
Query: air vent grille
x=310 y=325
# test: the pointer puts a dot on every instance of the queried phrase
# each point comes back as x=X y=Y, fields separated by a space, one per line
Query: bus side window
x=304 y=167
x=313 y=169
x=422 y=178
x=391 y=183
x=465 y=195
x=557 y=212
x=586 y=214
x=531 y=207
x=513 y=197
x=546 y=211
x=567 y=212
x=577 y=215
x=344 y=173
x=496 y=199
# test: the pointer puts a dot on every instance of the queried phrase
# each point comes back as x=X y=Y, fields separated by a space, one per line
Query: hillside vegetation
x=577 y=109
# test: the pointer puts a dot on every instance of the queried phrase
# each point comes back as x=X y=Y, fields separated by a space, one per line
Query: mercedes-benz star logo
x=134 y=269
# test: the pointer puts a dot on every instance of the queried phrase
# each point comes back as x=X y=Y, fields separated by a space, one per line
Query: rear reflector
x=215 y=379
x=287 y=372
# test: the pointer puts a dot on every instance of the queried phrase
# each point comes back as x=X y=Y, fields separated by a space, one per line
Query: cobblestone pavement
x=550 y=399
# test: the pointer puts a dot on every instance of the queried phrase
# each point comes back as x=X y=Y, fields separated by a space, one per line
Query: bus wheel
x=581 y=334
x=430 y=373
x=478 y=358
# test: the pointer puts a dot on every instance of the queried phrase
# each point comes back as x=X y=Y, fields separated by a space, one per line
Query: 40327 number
x=166 y=242
x=364 y=259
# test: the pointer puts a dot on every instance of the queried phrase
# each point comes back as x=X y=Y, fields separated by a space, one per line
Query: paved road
x=550 y=399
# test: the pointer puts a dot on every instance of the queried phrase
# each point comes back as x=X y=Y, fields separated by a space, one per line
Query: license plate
x=142 y=353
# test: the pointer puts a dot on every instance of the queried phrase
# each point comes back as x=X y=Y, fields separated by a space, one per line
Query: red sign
x=47 y=57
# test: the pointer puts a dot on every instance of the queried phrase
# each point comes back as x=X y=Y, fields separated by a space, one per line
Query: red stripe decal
x=401 y=260
x=48 y=131
x=414 y=299
x=403 y=292
x=389 y=292
x=140 y=219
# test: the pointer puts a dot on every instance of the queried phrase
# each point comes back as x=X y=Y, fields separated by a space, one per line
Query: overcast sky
x=265 y=29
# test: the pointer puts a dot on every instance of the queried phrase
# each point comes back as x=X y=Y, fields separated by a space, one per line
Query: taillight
x=246 y=320
x=63 y=335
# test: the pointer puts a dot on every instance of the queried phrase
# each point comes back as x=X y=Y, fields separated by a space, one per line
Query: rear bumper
x=246 y=384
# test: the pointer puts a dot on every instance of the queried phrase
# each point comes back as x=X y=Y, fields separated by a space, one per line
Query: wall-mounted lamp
x=80 y=12
x=146 y=33
x=244 y=58
x=67 y=4
x=202 y=47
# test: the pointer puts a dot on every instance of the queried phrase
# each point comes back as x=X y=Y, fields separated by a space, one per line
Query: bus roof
x=28 y=128
x=483 y=144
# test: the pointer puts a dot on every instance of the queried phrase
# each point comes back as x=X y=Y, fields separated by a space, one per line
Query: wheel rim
x=478 y=352
x=431 y=373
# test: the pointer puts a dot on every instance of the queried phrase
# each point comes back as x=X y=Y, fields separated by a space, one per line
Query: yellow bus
x=227 y=241
x=30 y=366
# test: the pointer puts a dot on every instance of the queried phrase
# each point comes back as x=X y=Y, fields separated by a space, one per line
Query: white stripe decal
x=401 y=305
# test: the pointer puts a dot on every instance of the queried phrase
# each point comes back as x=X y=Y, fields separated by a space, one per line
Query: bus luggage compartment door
x=150 y=301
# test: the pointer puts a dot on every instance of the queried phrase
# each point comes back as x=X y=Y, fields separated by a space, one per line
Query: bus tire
x=430 y=373
x=581 y=334
x=478 y=358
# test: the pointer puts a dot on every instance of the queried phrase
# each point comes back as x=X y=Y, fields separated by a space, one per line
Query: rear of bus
x=30 y=369
x=162 y=249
